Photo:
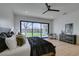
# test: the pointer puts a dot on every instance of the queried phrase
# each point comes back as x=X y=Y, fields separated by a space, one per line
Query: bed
x=34 y=46
x=39 y=47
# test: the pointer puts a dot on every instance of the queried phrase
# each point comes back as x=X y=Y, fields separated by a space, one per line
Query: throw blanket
x=39 y=46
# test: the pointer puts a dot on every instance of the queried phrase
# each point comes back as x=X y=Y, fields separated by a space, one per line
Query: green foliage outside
x=36 y=34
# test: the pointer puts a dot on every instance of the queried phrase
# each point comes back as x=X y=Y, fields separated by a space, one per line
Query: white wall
x=6 y=17
x=17 y=19
x=59 y=23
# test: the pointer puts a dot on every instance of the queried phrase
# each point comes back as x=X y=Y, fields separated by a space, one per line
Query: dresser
x=68 y=38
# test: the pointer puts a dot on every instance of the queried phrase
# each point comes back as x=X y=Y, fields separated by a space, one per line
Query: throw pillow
x=20 y=40
x=11 y=42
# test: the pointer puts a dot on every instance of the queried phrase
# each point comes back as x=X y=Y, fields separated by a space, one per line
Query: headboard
x=2 y=29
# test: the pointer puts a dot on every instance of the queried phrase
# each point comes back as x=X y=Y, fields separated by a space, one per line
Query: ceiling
x=36 y=9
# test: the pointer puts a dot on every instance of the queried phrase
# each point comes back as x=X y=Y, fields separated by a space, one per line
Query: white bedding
x=19 y=51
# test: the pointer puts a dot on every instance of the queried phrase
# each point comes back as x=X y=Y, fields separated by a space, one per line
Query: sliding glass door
x=34 y=29
x=26 y=29
x=44 y=30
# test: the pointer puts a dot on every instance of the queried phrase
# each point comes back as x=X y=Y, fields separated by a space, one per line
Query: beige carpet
x=65 y=49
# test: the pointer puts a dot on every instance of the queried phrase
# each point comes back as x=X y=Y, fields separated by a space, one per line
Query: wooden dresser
x=68 y=38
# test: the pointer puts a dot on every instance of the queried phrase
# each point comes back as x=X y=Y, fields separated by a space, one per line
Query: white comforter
x=19 y=51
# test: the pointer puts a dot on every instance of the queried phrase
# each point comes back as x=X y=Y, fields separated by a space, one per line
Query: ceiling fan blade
x=45 y=12
x=54 y=10
x=47 y=5
x=49 y=9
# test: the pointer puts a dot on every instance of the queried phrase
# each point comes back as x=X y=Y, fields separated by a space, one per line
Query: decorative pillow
x=11 y=42
x=9 y=34
x=3 y=35
x=3 y=45
x=20 y=40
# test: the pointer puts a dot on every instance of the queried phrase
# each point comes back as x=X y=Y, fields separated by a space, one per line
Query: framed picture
x=69 y=28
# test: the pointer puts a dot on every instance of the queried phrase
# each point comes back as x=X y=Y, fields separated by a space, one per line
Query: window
x=34 y=29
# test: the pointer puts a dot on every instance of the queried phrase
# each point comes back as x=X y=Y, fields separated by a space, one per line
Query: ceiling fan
x=49 y=9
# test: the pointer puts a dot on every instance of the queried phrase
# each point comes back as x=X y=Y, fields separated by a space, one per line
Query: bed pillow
x=3 y=35
x=9 y=34
x=11 y=42
x=20 y=40
x=3 y=45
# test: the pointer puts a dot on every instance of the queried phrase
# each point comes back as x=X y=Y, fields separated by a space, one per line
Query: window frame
x=32 y=26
